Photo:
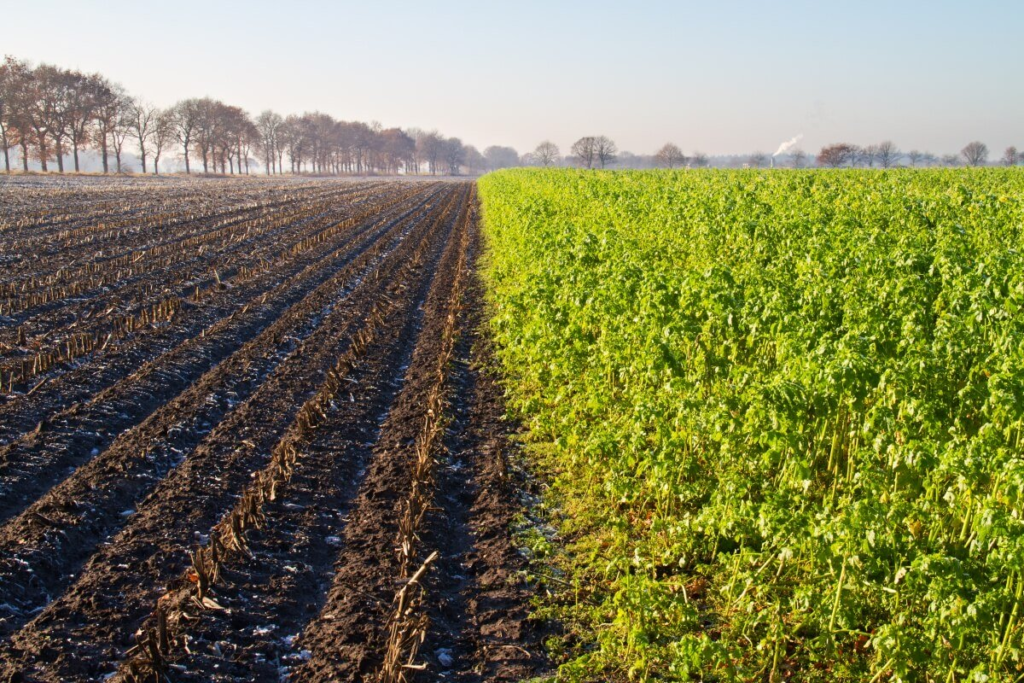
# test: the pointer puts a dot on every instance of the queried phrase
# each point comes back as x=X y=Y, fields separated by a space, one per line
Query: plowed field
x=247 y=433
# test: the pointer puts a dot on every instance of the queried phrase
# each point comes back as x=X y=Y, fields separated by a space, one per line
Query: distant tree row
x=887 y=155
x=601 y=152
x=47 y=113
x=595 y=151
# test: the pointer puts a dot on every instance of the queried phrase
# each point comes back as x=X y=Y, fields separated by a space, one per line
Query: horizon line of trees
x=887 y=155
x=601 y=152
x=48 y=113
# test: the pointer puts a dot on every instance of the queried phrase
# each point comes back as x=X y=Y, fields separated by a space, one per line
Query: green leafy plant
x=780 y=413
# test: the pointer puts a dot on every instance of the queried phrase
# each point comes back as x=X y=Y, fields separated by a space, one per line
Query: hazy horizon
x=728 y=78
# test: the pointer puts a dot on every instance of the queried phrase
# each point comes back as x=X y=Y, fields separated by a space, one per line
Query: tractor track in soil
x=340 y=473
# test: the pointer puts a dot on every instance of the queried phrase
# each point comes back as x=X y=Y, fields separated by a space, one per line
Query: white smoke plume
x=785 y=146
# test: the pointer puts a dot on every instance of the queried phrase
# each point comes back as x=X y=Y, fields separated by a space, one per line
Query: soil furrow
x=479 y=612
x=348 y=639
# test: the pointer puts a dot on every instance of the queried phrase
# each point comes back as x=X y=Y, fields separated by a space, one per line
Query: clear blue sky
x=722 y=76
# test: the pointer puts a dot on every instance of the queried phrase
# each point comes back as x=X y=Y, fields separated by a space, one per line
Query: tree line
x=601 y=152
x=48 y=113
x=887 y=155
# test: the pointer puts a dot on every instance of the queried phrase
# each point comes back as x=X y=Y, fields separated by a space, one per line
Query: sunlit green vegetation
x=780 y=414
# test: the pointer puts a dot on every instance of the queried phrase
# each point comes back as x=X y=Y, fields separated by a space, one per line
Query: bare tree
x=164 y=134
x=888 y=154
x=798 y=157
x=546 y=153
x=699 y=160
x=1011 y=157
x=757 y=160
x=295 y=142
x=40 y=96
x=585 y=151
x=949 y=160
x=16 y=87
x=10 y=91
x=82 y=100
x=110 y=103
x=281 y=143
x=429 y=149
x=836 y=155
x=268 y=124
x=121 y=132
x=605 y=150
x=975 y=153
x=670 y=156
x=59 y=95
x=208 y=130
x=248 y=137
x=141 y=119
x=454 y=154
x=856 y=156
x=915 y=157
x=186 y=119
x=234 y=132
x=868 y=155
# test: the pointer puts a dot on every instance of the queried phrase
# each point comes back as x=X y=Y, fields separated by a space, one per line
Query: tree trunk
x=142 y=151
x=103 y=148
x=74 y=148
x=188 y=170
x=42 y=152
x=156 y=165
x=24 y=154
x=60 y=156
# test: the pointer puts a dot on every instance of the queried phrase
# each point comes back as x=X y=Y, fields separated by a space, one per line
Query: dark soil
x=105 y=502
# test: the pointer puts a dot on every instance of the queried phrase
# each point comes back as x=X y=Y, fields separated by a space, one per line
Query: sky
x=721 y=76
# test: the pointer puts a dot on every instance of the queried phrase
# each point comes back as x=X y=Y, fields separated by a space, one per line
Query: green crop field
x=779 y=416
